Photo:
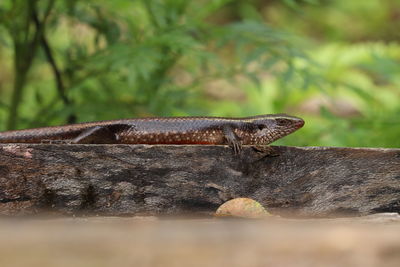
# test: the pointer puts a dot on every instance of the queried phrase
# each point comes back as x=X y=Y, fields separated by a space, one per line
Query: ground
x=149 y=241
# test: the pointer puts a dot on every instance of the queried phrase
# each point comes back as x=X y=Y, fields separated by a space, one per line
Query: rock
x=241 y=208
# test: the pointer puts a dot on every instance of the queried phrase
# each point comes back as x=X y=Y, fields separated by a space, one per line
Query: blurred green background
x=334 y=63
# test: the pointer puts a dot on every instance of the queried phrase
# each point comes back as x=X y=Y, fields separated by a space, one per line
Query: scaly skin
x=257 y=130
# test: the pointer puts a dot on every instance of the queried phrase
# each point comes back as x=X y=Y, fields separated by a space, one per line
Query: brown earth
x=112 y=241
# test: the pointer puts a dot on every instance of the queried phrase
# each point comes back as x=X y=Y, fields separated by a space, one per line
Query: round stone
x=241 y=208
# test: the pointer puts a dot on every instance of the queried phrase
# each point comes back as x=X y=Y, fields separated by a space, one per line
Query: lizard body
x=257 y=130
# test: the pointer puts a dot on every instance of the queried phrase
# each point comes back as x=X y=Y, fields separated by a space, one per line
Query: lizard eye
x=282 y=122
x=260 y=126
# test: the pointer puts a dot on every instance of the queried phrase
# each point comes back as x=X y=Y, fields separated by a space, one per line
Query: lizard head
x=268 y=128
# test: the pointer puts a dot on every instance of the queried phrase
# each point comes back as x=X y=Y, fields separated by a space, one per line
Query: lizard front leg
x=232 y=139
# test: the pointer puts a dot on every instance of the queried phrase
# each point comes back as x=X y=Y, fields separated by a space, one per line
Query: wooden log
x=166 y=180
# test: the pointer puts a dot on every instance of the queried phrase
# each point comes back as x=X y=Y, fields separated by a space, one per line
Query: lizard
x=258 y=130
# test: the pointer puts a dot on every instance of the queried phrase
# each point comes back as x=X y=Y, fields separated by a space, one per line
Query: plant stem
x=24 y=52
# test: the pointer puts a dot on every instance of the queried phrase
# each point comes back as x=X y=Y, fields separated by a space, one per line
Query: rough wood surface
x=163 y=180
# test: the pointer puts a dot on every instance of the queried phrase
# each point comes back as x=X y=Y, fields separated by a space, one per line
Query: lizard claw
x=266 y=150
x=236 y=146
x=232 y=139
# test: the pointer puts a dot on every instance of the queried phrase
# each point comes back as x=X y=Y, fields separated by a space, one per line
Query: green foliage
x=69 y=61
x=355 y=104
x=125 y=59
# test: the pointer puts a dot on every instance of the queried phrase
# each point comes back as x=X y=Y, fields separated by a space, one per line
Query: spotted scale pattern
x=257 y=130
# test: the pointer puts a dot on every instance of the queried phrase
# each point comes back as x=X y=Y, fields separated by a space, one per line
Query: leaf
x=291 y=3
x=254 y=78
x=206 y=10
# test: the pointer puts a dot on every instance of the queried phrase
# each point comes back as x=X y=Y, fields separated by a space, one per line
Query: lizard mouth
x=299 y=123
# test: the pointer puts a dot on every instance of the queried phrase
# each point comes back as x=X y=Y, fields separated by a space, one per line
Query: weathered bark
x=163 y=180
